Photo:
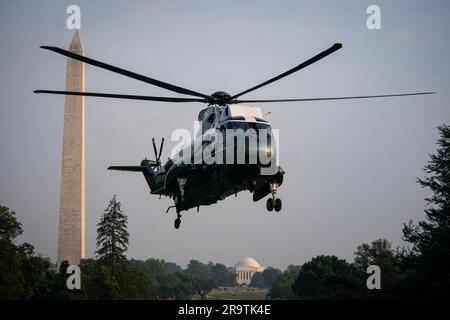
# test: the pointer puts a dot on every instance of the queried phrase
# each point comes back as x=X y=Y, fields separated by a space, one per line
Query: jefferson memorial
x=245 y=269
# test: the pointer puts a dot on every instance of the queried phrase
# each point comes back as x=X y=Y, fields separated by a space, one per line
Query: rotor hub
x=220 y=98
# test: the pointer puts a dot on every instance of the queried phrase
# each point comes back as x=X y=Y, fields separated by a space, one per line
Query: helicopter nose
x=260 y=154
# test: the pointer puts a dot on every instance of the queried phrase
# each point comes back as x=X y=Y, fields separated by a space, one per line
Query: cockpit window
x=247 y=125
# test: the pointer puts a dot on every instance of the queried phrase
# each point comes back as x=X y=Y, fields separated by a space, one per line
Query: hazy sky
x=351 y=166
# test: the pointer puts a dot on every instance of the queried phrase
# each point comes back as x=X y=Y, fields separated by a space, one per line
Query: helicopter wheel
x=177 y=223
x=270 y=204
x=278 y=204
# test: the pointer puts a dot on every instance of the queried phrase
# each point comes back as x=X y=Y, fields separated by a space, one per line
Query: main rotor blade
x=316 y=58
x=126 y=73
x=334 y=98
x=121 y=96
x=127 y=168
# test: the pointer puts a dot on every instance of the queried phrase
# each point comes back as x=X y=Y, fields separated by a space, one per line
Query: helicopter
x=193 y=184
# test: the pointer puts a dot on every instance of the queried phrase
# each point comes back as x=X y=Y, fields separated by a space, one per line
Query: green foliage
x=380 y=253
x=265 y=279
x=327 y=277
x=282 y=286
x=257 y=281
x=269 y=275
x=200 y=270
x=112 y=235
x=163 y=282
x=183 y=286
x=54 y=287
x=10 y=228
x=173 y=267
x=98 y=282
x=202 y=277
x=222 y=276
x=135 y=283
x=430 y=238
x=13 y=284
x=21 y=273
x=203 y=286
x=205 y=277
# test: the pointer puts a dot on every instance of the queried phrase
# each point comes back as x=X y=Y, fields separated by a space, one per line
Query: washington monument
x=71 y=236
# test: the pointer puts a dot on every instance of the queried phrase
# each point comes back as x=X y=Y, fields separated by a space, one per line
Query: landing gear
x=177 y=222
x=181 y=184
x=278 y=204
x=270 y=204
x=177 y=200
x=273 y=202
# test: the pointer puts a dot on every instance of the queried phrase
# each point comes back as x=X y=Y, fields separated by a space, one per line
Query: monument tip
x=76 y=45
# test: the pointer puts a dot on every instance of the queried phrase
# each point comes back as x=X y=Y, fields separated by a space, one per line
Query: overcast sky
x=351 y=166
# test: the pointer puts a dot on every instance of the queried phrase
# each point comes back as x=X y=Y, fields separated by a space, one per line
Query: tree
x=269 y=275
x=282 y=286
x=112 y=235
x=202 y=277
x=152 y=284
x=10 y=228
x=135 y=284
x=98 y=282
x=222 y=276
x=177 y=286
x=164 y=282
x=203 y=286
x=257 y=280
x=22 y=275
x=173 y=267
x=327 y=277
x=54 y=285
x=197 y=269
x=265 y=279
x=13 y=284
x=430 y=238
x=380 y=253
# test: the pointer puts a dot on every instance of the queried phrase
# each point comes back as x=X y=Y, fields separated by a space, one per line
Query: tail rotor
x=157 y=155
